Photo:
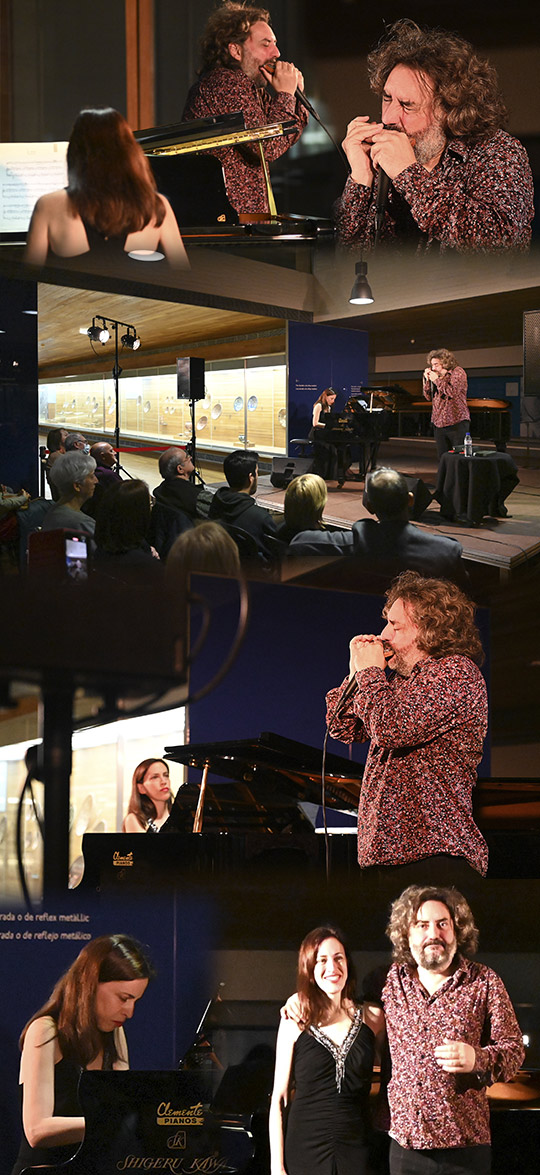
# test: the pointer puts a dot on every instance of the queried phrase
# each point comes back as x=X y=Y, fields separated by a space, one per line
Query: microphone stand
x=127 y=473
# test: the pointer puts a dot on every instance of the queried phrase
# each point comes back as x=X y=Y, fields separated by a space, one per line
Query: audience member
x=303 y=505
x=74 y=478
x=392 y=543
x=107 y=476
x=76 y=440
x=177 y=501
x=234 y=504
x=207 y=547
x=122 y=529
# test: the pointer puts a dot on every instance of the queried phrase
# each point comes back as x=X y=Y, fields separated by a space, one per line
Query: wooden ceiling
x=167 y=329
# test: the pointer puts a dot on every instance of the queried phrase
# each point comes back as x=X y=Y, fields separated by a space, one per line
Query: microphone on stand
x=270 y=68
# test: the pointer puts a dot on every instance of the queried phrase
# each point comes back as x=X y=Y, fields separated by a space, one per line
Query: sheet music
x=27 y=171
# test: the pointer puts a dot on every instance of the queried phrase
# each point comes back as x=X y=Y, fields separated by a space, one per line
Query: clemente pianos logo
x=190 y=1116
x=122 y=859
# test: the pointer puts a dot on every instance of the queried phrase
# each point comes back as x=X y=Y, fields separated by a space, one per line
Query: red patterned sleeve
x=442 y=695
x=503 y=1054
x=489 y=206
x=346 y=727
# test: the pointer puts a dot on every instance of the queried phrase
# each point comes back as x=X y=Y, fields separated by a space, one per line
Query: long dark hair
x=314 y=1002
x=141 y=805
x=123 y=517
x=72 y=1003
x=110 y=182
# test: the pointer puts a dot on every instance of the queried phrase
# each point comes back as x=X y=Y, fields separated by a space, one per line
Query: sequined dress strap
x=339 y=1051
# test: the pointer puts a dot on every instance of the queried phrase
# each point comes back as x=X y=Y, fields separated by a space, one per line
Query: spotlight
x=98 y=334
x=131 y=340
x=361 y=293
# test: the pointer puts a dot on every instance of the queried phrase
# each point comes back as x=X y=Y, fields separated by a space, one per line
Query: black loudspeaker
x=418 y=488
x=285 y=468
x=190 y=379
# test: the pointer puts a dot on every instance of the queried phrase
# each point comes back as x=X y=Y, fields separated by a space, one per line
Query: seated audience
x=110 y=207
x=74 y=479
x=392 y=543
x=122 y=528
x=395 y=544
x=76 y=440
x=207 y=547
x=151 y=797
x=177 y=501
x=234 y=504
x=107 y=476
x=56 y=444
x=304 y=503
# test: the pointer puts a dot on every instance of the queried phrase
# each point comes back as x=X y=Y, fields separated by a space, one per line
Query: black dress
x=328 y=1128
x=66 y=1104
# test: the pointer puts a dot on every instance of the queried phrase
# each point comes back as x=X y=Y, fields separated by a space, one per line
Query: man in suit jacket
x=392 y=543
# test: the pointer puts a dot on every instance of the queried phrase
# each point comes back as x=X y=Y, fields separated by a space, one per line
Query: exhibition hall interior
x=270 y=570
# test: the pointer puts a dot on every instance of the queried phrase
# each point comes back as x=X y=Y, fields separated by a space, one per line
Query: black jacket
x=240 y=510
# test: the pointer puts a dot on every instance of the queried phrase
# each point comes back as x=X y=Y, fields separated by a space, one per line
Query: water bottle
x=467 y=445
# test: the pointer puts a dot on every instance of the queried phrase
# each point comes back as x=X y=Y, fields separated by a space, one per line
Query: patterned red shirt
x=427 y=733
x=428 y=1107
x=226 y=91
x=448 y=394
x=479 y=197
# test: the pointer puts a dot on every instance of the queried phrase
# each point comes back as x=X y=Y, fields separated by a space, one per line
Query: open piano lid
x=270 y=775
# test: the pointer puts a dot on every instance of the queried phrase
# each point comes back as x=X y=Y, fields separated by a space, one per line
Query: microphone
x=305 y=102
x=383 y=185
x=350 y=689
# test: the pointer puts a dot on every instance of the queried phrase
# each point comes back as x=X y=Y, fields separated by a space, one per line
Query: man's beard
x=399 y=664
x=252 y=68
x=437 y=959
x=429 y=144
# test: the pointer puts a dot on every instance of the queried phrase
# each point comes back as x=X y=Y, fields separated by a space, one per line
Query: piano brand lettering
x=123 y=859
x=191 y=1116
x=177 y=1142
x=207 y=1164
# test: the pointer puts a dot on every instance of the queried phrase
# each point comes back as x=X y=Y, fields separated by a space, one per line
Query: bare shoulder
x=132 y=823
x=373 y=1016
x=289 y=1031
x=53 y=202
x=41 y=1031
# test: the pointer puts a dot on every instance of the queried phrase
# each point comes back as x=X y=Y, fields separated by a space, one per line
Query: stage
x=499 y=543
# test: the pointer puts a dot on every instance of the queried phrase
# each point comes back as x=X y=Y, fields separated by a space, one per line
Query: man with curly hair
x=239 y=58
x=416 y=692
x=457 y=179
x=452 y=1032
x=445 y=384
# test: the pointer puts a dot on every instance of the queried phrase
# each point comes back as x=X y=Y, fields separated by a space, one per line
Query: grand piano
x=210 y=1115
x=381 y=411
x=191 y=177
x=254 y=808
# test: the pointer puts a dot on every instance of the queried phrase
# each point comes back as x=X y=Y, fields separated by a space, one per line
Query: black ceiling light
x=361 y=294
